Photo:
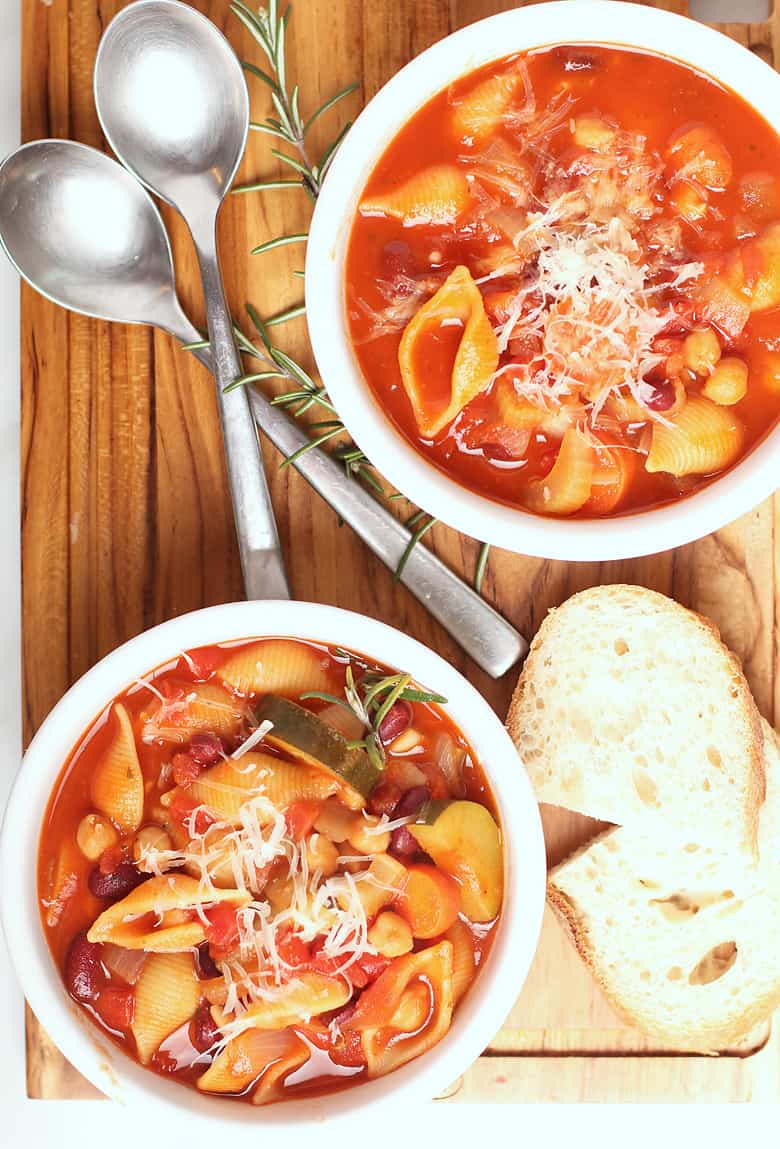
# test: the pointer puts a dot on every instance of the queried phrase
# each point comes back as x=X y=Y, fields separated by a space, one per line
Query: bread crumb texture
x=630 y=709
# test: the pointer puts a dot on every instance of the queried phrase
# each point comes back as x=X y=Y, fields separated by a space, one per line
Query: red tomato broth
x=76 y=908
x=635 y=90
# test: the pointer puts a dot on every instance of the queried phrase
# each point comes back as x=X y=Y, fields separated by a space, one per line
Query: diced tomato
x=185 y=769
x=182 y=808
x=347 y=1049
x=429 y=900
x=292 y=949
x=300 y=817
x=222 y=929
x=547 y=461
x=370 y=966
x=205 y=661
x=116 y=1005
x=321 y=962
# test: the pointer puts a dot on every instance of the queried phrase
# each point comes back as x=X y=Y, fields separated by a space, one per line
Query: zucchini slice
x=305 y=737
x=464 y=840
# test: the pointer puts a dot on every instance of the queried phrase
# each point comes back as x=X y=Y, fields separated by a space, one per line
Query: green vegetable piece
x=304 y=736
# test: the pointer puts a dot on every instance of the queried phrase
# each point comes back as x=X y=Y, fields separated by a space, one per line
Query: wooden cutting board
x=127 y=520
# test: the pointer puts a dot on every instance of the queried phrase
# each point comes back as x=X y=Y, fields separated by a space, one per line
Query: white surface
x=485 y=1007
x=517 y=30
x=74 y=1125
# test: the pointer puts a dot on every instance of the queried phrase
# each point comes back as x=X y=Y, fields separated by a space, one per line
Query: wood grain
x=127 y=521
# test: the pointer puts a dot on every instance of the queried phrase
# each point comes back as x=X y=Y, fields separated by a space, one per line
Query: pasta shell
x=130 y=922
x=166 y=995
x=481 y=111
x=278 y=666
x=463 y=964
x=568 y=485
x=61 y=881
x=117 y=785
x=307 y=996
x=702 y=438
x=384 y=1045
x=197 y=708
x=255 y=1052
x=436 y=195
x=458 y=301
x=225 y=788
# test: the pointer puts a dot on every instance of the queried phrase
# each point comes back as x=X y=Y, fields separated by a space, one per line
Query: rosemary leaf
x=413 y=541
x=199 y=345
x=259 y=326
x=320 y=439
x=254 y=377
x=265 y=185
x=482 y=561
x=268 y=129
x=328 y=105
x=294 y=368
x=291 y=162
x=284 y=316
x=261 y=75
x=391 y=698
x=280 y=241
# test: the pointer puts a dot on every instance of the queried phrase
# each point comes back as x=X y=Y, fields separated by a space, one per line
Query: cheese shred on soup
x=563 y=280
x=271 y=869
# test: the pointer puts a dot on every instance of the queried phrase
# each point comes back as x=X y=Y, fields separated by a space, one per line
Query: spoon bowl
x=172 y=100
x=84 y=233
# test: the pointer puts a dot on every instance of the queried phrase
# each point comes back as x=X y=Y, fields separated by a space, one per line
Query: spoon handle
x=262 y=563
x=484 y=634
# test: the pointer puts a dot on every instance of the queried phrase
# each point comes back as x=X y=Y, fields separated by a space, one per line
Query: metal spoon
x=82 y=231
x=173 y=103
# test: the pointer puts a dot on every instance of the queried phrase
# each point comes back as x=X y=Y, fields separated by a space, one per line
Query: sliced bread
x=630 y=709
x=685 y=942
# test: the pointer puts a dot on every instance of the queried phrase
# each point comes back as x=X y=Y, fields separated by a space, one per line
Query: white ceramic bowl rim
x=483 y=1010
x=563 y=22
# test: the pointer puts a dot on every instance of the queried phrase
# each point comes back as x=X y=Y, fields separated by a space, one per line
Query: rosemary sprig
x=268 y=27
x=370 y=698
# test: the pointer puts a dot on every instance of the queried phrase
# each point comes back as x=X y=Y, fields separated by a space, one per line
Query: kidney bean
x=207 y=967
x=207 y=749
x=398 y=718
x=403 y=844
x=412 y=801
x=384 y=798
x=204 y=1032
x=658 y=395
x=84 y=975
x=117 y=883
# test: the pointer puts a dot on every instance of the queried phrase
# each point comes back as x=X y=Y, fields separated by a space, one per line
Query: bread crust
x=653 y=601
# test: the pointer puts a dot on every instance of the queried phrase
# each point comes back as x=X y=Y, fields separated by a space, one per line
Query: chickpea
x=150 y=838
x=701 y=351
x=391 y=935
x=689 y=201
x=279 y=893
x=322 y=855
x=728 y=382
x=697 y=153
x=335 y=821
x=593 y=133
x=94 y=835
x=364 y=841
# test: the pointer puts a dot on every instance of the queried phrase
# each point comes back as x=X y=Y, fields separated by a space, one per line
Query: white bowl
x=484 y=1008
x=568 y=21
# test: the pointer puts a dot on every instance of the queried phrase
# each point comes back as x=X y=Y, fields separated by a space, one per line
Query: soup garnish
x=270 y=869
x=563 y=280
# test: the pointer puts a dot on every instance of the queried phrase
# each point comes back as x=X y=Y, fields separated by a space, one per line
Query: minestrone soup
x=563 y=280
x=271 y=868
